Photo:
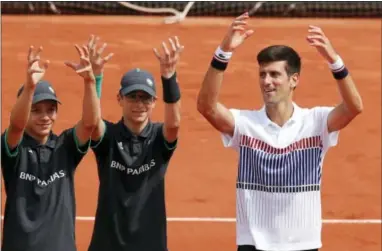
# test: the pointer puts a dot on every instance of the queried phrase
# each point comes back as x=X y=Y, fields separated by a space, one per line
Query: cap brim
x=42 y=97
x=138 y=87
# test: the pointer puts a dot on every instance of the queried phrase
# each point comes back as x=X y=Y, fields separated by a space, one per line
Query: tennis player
x=38 y=166
x=282 y=146
x=132 y=157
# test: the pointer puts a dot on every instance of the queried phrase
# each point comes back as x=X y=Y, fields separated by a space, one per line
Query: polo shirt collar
x=31 y=142
x=128 y=133
x=296 y=115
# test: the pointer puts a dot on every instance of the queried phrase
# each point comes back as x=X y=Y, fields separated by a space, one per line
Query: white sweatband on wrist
x=222 y=55
x=338 y=65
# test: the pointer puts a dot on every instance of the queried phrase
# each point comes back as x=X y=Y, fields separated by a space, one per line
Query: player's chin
x=43 y=132
x=139 y=117
x=269 y=100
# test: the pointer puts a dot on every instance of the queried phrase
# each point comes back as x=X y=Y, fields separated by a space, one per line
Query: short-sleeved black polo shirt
x=131 y=212
x=40 y=204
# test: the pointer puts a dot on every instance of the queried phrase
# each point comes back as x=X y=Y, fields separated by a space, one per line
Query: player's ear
x=154 y=102
x=119 y=99
x=294 y=79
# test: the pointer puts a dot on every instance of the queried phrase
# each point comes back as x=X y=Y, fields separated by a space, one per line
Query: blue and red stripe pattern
x=292 y=169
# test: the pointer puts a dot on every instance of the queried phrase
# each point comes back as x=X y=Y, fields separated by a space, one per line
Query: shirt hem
x=284 y=247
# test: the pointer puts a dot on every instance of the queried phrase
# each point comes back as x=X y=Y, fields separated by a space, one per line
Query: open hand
x=236 y=34
x=84 y=67
x=35 y=71
x=96 y=59
x=317 y=38
x=170 y=58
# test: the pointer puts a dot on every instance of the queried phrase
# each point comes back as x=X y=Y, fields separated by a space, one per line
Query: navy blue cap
x=43 y=91
x=137 y=80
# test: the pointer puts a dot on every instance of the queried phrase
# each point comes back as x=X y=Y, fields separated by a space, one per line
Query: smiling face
x=275 y=83
x=279 y=73
x=42 y=117
x=137 y=106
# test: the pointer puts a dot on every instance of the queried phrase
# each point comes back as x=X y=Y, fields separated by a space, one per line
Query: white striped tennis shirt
x=278 y=204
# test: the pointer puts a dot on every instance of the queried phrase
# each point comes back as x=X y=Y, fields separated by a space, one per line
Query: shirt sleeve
x=167 y=147
x=321 y=117
x=101 y=147
x=7 y=151
x=9 y=157
x=82 y=149
x=234 y=141
x=75 y=151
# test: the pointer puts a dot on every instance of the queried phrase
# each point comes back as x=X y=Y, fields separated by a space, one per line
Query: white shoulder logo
x=120 y=145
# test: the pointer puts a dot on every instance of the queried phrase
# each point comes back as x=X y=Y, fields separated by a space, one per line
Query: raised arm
x=216 y=113
x=171 y=92
x=351 y=104
x=90 y=106
x=21 y=110
x=98 y=62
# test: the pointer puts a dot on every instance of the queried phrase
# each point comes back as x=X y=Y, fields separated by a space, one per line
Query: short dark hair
x=281 y=53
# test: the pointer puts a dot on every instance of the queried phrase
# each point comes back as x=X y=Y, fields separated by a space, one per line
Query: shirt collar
x=128 y=133
x=296 y=115
x=31 y=142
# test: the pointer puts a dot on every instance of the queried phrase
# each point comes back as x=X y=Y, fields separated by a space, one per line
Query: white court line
x=226 y=220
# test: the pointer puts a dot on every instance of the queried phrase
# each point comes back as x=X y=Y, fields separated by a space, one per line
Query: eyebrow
x=270 y=71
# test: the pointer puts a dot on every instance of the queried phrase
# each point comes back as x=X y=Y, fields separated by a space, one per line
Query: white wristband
x=338 y=65
x=222 y=55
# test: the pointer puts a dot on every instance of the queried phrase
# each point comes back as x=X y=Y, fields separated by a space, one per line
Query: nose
x=267 y=80
x=45 y=116
x=138 y=103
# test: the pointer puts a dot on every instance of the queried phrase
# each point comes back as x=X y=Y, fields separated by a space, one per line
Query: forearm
x=351 y=98
x=100 y=127
x=172 y=114
x=21 y=110
x=209 y=92
x=91 y=105
x=350 y=95
x=215 y=113
x=171 y=97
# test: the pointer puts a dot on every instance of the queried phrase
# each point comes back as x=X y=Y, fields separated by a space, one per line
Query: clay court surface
x=201 y=177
